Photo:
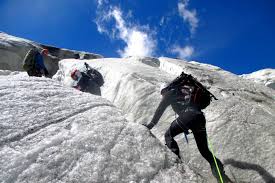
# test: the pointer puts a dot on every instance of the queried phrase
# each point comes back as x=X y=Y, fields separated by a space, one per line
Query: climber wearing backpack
x=88 y=81
x=187 y=97
x=33 y=63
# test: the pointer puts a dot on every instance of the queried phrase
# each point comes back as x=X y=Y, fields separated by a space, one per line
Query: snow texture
x=240 y=124
x=50 y=132
x=265 y=76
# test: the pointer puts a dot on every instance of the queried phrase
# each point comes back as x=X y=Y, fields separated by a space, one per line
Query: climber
x=33 y=63
x=88 y=81
x=187 y=97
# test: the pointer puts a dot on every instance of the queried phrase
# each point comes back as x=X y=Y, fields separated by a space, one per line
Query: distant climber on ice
x=187 y=97
x=89 y=81
x=33 y=63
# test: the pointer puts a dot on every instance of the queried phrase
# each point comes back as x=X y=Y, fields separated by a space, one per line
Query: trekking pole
x=186 y=138
x=88 y=68
x=211 y=149
x=86 y=65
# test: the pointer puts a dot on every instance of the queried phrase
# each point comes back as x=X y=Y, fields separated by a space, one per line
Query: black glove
x=149 y=126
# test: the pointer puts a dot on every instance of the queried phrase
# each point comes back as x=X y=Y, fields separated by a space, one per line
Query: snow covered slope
x=265 y=76
x=14 y=49
x=52 y=133
x=240 y=124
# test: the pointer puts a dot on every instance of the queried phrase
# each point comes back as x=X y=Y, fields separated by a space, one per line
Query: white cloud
x=161 y=21
x=100 y=2
x=183 y=53
x=120 y=23
x=138 y=42
x=100 y=29
x=189 y=16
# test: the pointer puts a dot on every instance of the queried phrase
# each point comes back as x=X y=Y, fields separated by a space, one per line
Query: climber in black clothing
x=89 y=81
x=190 y=117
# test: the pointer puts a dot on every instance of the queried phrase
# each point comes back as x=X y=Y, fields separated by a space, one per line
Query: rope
x=215 y=160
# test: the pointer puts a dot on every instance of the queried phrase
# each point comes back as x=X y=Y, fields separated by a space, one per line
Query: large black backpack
x=199 y=95
x=94 y=75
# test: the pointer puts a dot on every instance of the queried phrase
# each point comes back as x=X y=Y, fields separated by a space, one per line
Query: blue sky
x=236 y=35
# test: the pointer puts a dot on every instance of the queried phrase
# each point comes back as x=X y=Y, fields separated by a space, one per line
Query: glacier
x=51 y=132
x=236 y=121
x=264 y=76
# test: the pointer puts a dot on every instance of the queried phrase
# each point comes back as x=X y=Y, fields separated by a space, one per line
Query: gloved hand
x=149 y=126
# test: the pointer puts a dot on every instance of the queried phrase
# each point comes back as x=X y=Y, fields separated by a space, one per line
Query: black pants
x=195 y=121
